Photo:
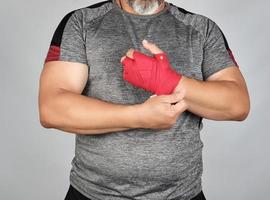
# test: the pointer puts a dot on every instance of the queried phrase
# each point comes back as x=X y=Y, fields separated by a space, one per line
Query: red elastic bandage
x=153 y=74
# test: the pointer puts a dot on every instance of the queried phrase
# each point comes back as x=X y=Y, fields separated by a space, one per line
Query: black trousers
x=74 y=194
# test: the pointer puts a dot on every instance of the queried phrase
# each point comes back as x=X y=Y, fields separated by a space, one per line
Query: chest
x=109 y=39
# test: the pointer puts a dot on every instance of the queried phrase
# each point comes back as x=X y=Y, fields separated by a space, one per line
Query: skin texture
x=61 y=105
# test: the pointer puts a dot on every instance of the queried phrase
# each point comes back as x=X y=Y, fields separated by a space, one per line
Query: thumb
x=176 y=97
x=179 y=107
x=151 y=47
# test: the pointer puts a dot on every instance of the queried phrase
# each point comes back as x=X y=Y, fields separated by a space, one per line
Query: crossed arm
x=62 y=106
x=222 y=97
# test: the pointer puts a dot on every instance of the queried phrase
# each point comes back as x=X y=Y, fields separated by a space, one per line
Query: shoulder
x=91 y=12
x=76 y=19
x=199 y=22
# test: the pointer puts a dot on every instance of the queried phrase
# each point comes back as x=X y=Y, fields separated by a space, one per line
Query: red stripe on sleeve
x=53 y=53
x=232 y=57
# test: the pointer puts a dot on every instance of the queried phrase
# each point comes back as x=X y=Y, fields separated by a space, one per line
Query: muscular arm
x=223 y=96
x=62 y=106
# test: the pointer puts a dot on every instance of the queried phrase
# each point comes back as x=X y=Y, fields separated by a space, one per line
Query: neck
x=125 y=6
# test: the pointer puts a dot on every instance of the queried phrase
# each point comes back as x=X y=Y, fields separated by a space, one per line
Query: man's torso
x=139 y=163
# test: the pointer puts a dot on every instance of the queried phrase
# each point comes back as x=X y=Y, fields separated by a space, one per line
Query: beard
x=144 y=7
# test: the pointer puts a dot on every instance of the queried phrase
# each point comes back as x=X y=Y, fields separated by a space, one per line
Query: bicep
x=62 y=75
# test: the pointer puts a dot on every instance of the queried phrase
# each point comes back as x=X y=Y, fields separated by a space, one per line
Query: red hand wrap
x=154 y=74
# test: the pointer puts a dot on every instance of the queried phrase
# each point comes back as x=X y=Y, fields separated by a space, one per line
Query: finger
x=127 y=61
x=122 y=59
x=130 y=53
x=171 y=98
x=179 y=107
x=137 y=55
x=153 y=95
x=153 y=48
x=175 y=97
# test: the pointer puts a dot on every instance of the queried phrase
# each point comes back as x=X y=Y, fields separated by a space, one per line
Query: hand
x=153 y=74
x=161 y=112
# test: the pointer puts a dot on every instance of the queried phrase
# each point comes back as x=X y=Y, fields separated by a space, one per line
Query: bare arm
x=72 y=112
x=62 y=106
x=223 y=96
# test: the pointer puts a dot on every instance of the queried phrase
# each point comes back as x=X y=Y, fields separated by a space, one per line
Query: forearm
x=217 y=100
x=76 y=113
x=92 y=131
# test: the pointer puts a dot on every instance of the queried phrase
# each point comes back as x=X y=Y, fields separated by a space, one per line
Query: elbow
x=242 y=115
x=44 y=117
x=50 y=111
x=241 y=111
x=45 y=124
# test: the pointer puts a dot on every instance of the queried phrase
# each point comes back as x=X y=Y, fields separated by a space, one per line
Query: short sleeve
x=216 y=52
x=68 y=43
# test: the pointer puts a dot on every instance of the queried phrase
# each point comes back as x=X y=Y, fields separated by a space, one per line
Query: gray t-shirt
x=143 y=164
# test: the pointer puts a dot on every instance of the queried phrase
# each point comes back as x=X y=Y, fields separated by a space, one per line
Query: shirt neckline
x=164 y=10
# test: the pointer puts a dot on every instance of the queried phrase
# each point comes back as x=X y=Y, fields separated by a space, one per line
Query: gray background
x=35 y=161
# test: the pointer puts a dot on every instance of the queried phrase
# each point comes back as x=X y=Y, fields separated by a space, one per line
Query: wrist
x=136 y=120
x=181 y=86
x=168 y=83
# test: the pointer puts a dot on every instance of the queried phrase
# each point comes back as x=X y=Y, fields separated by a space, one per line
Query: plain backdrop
x=35 y=162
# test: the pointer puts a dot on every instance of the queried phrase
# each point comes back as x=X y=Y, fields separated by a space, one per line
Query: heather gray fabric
x=140 y=164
